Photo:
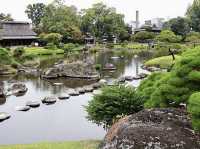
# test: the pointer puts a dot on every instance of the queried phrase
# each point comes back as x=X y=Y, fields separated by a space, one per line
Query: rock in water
x=22 y=108
x=153 y=129
x=4 y=116
x=33 y=104
x=64 y=97
x=49 y=100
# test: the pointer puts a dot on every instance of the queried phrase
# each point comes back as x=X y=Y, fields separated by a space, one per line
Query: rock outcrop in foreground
x=153 y=129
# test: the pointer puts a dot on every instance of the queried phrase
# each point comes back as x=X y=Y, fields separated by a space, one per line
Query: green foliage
x=179 y=25
x=193 y=13
x=194 y=110
x=53 y=38
x=5 y=17
x=101 y=20
x=113 y=102
x=69 y=47
x=62 y=19
x=51 y=46
x=143 y=36
x=168 y=36
x=193 y=37
x=35 y=12
x=98 y=67
x=110 y=45
x=18 y=52
x=162 y=62
x=176 y=86
x=5 y=57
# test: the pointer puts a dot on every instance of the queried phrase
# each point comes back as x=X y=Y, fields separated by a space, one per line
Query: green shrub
x=194 y=109
x=54 y=38
x=113 y=102
x=69 y=47
x=168 y=36
x=51 y=46
x=110 y=45
x=5 y=57
x=143 y=36
x=193 y=37
x=18 y=52
x=98 y=66
x=175 y=87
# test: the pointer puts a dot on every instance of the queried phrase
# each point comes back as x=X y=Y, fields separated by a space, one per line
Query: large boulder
x=153 y=129
x=77 y=69
x=17 y=89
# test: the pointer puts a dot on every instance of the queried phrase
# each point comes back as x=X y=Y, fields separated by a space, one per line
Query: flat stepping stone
x=33 y=104
x=73 y=92
x=22 y=108
x=88 y=88
x=4 y=116
x=96 y=85
x=49 y=100
x=80 y=90
x=121 y=80
x=129 y=78
x=64 y=97
x=57 y=84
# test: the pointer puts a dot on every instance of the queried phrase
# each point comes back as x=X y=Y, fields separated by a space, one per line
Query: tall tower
x=137 y=19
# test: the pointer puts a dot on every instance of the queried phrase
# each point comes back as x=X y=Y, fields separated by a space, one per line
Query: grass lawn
x=61 y=145
x=42 y=51
x=162 y=62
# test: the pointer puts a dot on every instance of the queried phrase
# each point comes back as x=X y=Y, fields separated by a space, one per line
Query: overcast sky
x=148 y=8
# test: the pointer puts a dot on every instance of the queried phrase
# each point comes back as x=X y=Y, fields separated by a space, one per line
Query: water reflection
x=64 y=120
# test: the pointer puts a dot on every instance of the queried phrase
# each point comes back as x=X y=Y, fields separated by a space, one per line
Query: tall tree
x=101 y=21
x=193 y=13
x=35 y=12
x=179 y=25
x=5 y=17
x=62 y=19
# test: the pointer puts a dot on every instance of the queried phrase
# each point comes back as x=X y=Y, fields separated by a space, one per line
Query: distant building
x=14 y=33
x=155 y=22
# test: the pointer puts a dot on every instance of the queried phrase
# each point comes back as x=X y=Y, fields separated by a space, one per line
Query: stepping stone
x=96 y=85
x=73 y=92
x=64 y=97
x=33 y=104
x=4 y=116
x=22 y=108
x=121 y=80
x=80 y=90
x=129 y=78
x=57 y=84
x=49 y=100
x=88 y=88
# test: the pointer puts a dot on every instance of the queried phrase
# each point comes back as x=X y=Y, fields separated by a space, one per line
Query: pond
x=65 y=120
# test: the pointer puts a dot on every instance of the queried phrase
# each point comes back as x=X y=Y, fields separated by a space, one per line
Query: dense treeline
x=99 y=21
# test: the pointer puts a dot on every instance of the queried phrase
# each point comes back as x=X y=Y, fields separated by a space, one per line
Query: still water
x=65 y=120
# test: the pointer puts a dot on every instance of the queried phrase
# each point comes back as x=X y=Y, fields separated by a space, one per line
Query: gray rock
x=129 y=78
x=49 y=100
x=103 y=82
x=80 y=90
x=33 y=104
x=96 y=85
x=73 y=92
x=64 y=97
x=22 y=108
x=88 y=88
x=153 y=129
x=4 y=116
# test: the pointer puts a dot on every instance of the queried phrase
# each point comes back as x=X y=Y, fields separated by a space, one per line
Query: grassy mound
x=42 y=51
x=162 y=62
